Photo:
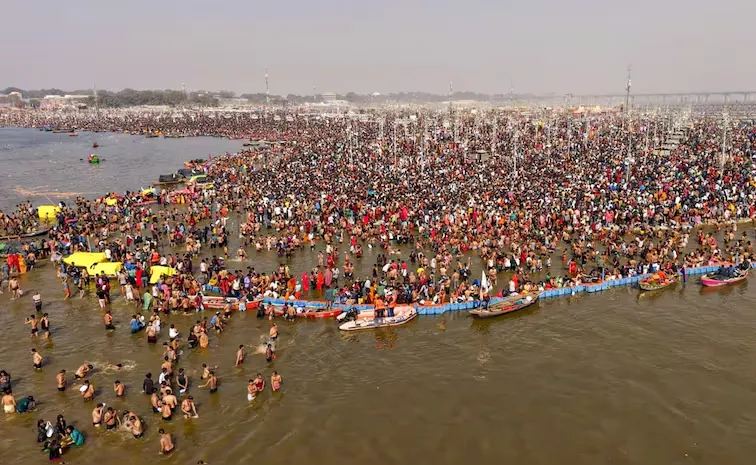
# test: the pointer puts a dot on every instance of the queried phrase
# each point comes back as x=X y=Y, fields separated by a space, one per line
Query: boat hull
x=509 y=305
x=645 y=285
x=403 y=316
x=709 y=281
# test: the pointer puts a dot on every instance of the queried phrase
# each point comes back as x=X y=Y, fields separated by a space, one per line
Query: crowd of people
x=557 y=204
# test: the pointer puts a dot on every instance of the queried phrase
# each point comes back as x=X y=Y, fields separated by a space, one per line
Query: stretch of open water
x=616 y=377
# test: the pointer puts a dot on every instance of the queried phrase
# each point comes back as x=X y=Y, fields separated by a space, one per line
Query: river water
x=616 y=377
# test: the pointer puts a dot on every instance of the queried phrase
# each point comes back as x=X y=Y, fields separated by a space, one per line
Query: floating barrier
x=463 y=306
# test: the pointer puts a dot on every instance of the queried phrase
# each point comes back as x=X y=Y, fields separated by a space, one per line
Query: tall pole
x=267 y=90
x=394 y=142
x=313 y=94
x=514 y=149
x=724 y=142
x=97 y=106
x=493 y=137
x=627 y=90
x=450 y=100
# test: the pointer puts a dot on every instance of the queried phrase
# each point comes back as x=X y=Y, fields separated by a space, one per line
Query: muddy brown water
x=616 y=377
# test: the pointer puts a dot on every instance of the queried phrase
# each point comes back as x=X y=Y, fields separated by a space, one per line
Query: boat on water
x=307 y=312
x=653 y=283
x=95 y=145
x=169 y=179
x=73 y=134
x=215 y=302
x=366 y=319
x=508 y=305
x=717 y=279
x=38 y=232
x=93 y=159
x=61 y=131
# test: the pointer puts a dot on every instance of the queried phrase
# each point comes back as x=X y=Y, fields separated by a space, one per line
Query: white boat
x=366 y=319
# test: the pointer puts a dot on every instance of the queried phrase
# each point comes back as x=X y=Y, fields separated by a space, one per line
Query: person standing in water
x=269 y=354
x=36 y=359
x=32 y=321
x=44 y=323
x=275 y=381
x=166 y=442
x=37 y=301
x=61 y=380
x=188 y=408
x=240 y=355
x=212 y=382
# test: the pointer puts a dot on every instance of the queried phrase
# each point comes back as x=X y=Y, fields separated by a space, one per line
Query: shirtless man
x=168 y=365
x=9 y=402
x=15 y=288
x=273 y=333
x=170 y=399
x=166 y=443
x=108 y=319
x=212 y=382
x=166 y=412
x=275 y=381
x=88 y=393
x=133 y=423
x=188 y=407
x=206 y=370
x=83 y=370
x=203 y=340
x=36 y=359
x=61 y=380
x=97 y=413
x=155 y=402
x=32 y=320
x=239 y=355
x=119 y=388
x=111 y=419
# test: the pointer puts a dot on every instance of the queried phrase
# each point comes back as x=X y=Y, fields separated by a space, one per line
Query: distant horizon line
x=90 y=91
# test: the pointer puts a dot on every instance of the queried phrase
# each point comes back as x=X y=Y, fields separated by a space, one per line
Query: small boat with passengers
x=658 y=281
x=367 y=319
x=724 y=276
x=508 y=305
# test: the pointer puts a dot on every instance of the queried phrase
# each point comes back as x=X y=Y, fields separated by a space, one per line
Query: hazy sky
x=577 y=46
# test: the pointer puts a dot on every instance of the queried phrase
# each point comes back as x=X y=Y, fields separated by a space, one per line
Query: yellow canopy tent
x=47 y=212
x=110 y=201
x=109 y=268
x=84 y=259
x=156 y=272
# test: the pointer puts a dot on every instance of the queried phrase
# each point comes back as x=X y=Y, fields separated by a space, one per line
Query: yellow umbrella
x=109 y=268
x=156 y=272
x=84 y=259
x=47 y=212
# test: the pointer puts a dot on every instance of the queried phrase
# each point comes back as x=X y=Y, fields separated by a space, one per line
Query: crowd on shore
x=424 y=204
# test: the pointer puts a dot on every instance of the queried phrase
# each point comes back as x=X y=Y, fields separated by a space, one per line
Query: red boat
x=308 y=313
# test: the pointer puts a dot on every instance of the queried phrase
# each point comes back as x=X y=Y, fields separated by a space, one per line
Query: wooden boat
x=652 y=285
x=309 y=312
x=214 y=302
x=508 y=305
x=716 y=281
x=95 y=145
x=38 y=232
x=73 y=134
x=366 y=319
